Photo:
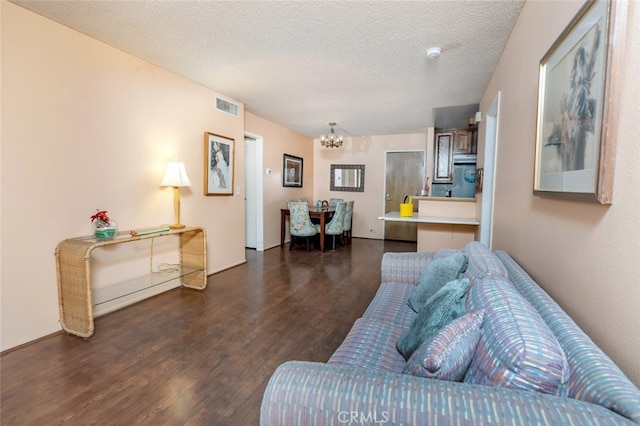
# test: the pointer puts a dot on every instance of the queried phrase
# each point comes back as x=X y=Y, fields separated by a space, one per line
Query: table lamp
x=176 y=176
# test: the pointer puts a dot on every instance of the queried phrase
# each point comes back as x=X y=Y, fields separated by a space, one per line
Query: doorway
x=253 y=202
x=404 y=175
x=489 y=178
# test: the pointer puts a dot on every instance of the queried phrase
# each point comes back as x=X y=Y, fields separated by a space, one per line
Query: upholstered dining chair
x=335 y=226
x=333 y=202
x=346 y=224
x=300 y=225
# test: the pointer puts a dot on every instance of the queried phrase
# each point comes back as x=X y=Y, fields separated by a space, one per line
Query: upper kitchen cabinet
x=465 y=141
x=448 y=143
x=443 y=157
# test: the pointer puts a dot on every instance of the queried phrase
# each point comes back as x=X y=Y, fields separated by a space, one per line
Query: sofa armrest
x=404 y=267
x=317 y=393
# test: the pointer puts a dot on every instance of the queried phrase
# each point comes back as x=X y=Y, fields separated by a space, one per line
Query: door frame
x=489 y=175
x=384 y=193
x=259 y=190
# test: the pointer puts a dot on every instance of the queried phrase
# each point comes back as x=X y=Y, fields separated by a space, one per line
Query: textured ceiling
x=302 y=64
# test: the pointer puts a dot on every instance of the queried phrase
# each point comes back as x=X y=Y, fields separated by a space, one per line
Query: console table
x=73 y=267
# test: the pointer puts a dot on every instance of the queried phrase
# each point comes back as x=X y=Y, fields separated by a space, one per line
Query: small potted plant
x=104 y=228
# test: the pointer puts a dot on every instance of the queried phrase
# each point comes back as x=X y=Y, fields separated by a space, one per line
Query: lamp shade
x=175 y=175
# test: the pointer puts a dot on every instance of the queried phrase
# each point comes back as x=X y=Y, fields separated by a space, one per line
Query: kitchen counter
x=395 y=217
x=444 y=198
x=443 y=222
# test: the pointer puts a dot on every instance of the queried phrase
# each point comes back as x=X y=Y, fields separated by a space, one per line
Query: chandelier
x=331 y=140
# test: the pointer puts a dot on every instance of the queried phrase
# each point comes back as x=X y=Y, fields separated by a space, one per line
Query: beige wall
x=279 y=140
x=85 y=126
x=370 y=151
x=585 y=255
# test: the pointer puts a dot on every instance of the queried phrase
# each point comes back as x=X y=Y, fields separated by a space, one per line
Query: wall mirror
x=347 y=177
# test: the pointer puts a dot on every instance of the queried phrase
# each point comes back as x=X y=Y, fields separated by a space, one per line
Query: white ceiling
x=302 y=64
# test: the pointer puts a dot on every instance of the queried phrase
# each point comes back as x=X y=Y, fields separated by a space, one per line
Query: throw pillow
x=442 y=308
x=448 y=355
x=516 y=350
x=440 y=271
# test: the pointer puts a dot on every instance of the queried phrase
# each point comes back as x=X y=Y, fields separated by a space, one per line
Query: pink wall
x=369 y=151
x=585 y=255
x=86 y=126
x=279 y=140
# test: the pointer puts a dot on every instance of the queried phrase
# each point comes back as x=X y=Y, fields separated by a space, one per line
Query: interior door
x=404 y=175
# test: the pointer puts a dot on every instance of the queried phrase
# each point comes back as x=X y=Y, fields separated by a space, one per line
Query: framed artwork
x=577 y=105
x=291 y=171
x=218 y=164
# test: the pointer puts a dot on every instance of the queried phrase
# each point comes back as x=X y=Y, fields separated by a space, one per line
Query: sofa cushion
x=442 y=308
x=482 y=262
x=390 y=305
x=370 y=344
x=448 y=354
x=516 y=348
x=446 y=266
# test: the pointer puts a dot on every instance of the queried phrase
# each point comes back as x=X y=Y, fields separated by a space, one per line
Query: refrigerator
x=464 y=180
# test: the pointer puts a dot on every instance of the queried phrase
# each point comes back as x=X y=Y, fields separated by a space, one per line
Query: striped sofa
x=531 y=365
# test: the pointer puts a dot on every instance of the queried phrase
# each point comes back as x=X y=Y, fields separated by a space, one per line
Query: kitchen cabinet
x=443 y=158
x=450 y=142
x=463 y=141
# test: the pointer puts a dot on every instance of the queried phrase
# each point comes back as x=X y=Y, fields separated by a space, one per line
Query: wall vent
x=226 y=106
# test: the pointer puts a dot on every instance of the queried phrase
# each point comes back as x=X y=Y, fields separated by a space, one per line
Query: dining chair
x=336 y=226
x=333 y=202
x=300 y=225
x=346 y=224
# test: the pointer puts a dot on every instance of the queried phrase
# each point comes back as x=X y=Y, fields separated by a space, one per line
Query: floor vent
x=226 y=106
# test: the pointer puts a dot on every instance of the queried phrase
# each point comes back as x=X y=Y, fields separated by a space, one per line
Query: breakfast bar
x=442 y=222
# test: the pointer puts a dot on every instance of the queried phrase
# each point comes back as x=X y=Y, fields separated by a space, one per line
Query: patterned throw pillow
x=443 y=268
x=445 y=306
x=516 y=350
x=448 y=355
x=482 y=262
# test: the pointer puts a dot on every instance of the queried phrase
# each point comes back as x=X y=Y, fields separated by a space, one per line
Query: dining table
x=322 y=214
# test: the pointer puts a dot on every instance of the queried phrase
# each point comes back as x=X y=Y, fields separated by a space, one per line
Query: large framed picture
x=292 y=171
x=577 y=105
x=218 y=164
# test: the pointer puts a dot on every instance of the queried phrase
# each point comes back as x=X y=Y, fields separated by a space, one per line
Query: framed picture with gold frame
x=578 y=93
x=218 y=164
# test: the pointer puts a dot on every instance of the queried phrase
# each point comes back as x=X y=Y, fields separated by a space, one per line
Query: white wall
x=85 y=126
x=585 y=255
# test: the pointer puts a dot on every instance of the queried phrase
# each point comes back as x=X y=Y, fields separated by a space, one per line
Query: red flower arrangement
x=104 y=227
x=102 y=219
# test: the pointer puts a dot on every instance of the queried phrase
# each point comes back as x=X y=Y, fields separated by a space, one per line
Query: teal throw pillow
x=448 y=354
x=440 y=271
x=442 y=308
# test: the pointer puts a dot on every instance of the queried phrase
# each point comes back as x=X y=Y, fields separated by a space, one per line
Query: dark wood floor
x=198 y=358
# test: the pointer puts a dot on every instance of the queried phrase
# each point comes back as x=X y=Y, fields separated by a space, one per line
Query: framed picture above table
x=292 y=171
x=579 y=84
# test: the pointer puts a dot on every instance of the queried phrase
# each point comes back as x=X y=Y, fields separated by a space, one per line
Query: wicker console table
x=73 y=266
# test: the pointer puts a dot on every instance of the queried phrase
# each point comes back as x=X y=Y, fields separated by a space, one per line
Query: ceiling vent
x=226 y=106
